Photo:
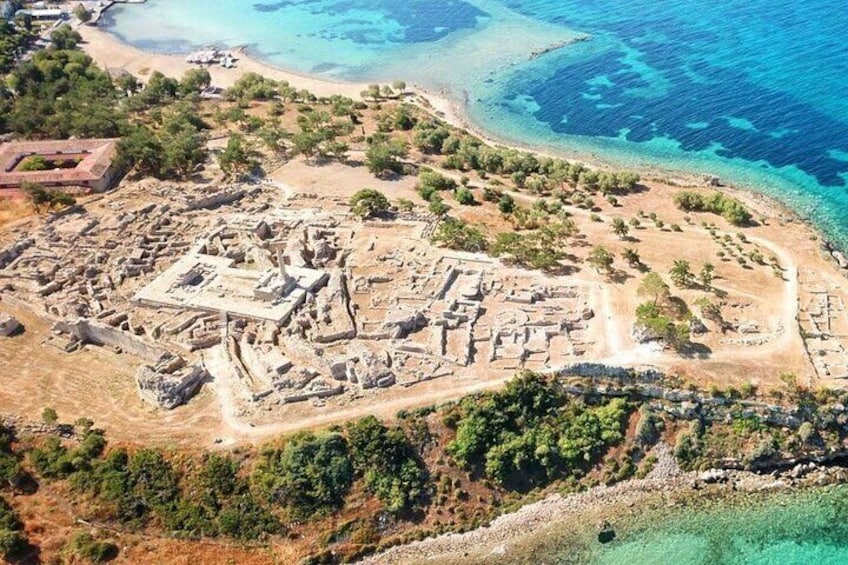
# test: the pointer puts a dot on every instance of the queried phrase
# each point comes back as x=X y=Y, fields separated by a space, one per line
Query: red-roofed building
x=74 y=165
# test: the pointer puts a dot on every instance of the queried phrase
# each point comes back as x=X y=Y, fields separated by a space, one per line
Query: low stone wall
x=88 y=331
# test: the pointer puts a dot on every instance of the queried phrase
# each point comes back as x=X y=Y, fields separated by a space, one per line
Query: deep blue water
x=755 y=91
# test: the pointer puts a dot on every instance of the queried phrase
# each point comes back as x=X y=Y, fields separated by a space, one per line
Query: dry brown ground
x=13 y=210
x=95 y=383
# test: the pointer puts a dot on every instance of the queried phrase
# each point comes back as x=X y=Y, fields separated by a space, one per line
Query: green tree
x=141 y=149
x=620 y=228
x=82 y=14
x=506 y=204
x=195 y=80
x=34 y=163
x=310 y=475
x=437 y=206
x=237 y=158
x=127 y=83
x=653 y=287
x=49 y=416
x=373 y=92
x=387 y=462
x=13 y=542
x=384 y=154
x=464 y=196
x=84 y=546
x=707 y=274
x=65 y=37
x=252 y=86
x=601 y=259
x=632 y=257
x=456 y=234
x=681 y=274
x=367 y=203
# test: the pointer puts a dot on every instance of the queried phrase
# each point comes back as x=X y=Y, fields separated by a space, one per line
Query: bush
x=13 y=542
x=431 y=182
x=84 y=545
x=646 y=429
x=807 y=433
x=464 y=196
x=529 y=433
x=506 y=204
x=252 y=86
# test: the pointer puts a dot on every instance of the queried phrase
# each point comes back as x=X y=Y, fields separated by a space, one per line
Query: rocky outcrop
x=170 y=382
x=643 y=334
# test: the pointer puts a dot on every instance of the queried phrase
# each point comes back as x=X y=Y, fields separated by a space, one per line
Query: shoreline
x=112 y=53
x=543 y=526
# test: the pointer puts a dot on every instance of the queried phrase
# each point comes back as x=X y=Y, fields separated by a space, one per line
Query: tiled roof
x=97 y=157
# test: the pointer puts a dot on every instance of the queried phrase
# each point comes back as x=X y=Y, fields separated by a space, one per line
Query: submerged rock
x=606 y=533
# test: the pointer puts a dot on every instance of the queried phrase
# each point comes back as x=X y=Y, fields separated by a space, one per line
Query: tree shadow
x=694 y=351
x=19 y=331
x=678 y=305
x=619 y=276
x=565 y=270
x=31 y=555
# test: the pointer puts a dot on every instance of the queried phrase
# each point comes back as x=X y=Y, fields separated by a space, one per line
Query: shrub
x=84 y=545
x=506 y=204
x=529 y=433
x=464 y=196
x=13 y=542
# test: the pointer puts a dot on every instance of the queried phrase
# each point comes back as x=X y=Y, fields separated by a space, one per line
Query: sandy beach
x=114 y=55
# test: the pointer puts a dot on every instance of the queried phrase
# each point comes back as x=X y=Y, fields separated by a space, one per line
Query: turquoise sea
x=755 y=91
x=802 y=528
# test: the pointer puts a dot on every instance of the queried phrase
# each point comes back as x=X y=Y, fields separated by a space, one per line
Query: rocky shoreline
x=600 y=508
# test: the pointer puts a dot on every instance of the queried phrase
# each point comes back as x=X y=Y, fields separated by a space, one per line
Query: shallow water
x=755 y=91
x=786 y=528
x=800 y=528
